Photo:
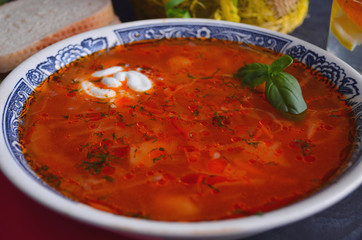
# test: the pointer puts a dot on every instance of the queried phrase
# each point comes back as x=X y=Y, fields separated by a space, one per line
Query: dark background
x=23 y=218
x=314 y=28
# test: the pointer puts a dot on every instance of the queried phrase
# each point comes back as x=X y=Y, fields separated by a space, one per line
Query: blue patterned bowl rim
x=20 y=83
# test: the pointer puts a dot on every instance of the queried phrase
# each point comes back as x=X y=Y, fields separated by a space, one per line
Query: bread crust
x=103 y=17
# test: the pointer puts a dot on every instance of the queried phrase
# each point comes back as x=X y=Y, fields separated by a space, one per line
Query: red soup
x=162 y=130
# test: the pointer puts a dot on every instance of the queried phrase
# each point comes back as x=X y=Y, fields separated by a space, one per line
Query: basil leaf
x=280 y=64
x=253 y=74
x=284 y=93
x=282 y=90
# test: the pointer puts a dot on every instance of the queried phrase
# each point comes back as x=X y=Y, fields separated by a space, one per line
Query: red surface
x=23 y=218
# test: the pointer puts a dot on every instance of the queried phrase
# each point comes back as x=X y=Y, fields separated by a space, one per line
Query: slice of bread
x=26 y=26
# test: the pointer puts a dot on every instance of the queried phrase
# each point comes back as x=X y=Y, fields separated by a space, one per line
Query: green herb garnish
x=50 y=178
x=281 y=89
x=108 y=178
x=209 y=185
x=305 y=145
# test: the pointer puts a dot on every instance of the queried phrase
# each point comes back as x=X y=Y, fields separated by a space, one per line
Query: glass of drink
x=345 y=32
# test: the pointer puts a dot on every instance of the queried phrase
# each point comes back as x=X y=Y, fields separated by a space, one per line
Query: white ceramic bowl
x=19 y=84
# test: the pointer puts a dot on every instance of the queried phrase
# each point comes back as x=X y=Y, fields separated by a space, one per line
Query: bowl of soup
x=150 y=129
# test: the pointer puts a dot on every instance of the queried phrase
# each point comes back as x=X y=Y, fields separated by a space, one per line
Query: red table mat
x=23 y=218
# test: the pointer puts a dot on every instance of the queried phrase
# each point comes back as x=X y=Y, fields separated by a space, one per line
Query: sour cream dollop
x=113 y=77
x=138 y=81
x=107 y=71
x=97 y=92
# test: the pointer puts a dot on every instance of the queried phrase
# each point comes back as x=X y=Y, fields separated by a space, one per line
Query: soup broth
x=162 y=130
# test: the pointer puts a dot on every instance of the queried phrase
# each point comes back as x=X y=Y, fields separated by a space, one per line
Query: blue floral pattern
x=337 y=76
x=71 y=53
x=25 y=86
x=11 y=120
x=236 y=34
x=35 y=76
